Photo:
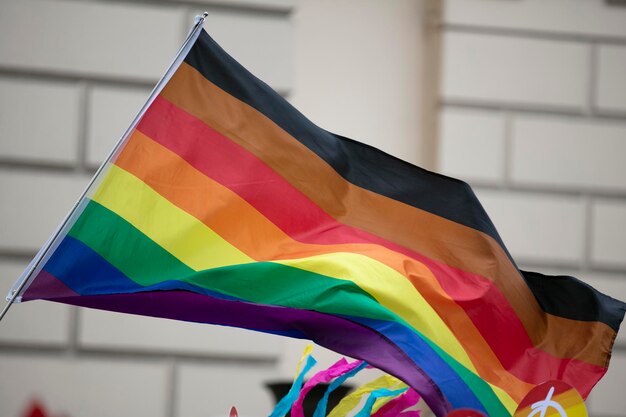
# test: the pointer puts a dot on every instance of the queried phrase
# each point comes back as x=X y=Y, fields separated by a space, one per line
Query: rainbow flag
x=227 y=206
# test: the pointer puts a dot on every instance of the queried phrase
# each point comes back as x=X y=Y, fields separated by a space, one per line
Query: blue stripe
x=87 y=273
x=456 y=391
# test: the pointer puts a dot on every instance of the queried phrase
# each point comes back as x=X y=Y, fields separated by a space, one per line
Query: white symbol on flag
x=542 y=406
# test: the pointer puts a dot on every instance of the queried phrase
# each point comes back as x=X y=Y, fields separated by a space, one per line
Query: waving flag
x=225 y=205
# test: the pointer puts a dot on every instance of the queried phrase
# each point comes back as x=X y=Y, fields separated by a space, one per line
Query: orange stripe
x=160 y=168
x=420 y=231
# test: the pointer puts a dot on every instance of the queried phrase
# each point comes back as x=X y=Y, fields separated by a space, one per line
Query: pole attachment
x=44 y=253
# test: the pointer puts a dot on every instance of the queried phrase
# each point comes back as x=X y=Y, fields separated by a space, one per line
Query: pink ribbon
x=339 y=368
x=395 y=407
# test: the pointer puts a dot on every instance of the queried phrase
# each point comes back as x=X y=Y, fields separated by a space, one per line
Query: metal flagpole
x=44 y=251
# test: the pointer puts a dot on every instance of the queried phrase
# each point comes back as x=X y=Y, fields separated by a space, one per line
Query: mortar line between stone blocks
x=73 y=331
x=535 y=34
x=83 y=127
x=507 y=148
x=592 y=68
x=171 y=396
x=60 y=76
x=184 y=23
x=536 y=265
x=616 y=273
x=549 y=263
x=15 y=164
x=101 y=80
x=16 y=257
x=221 y=5
x=585 y=260
x=139 y=356
x=533 y=109
x=556 y=190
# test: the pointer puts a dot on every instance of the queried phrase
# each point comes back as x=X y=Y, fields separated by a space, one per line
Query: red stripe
x=212 y=154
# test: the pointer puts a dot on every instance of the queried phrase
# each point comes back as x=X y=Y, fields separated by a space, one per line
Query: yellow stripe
x=199 y=247
x=570 y=400
x=577 y=410
x=392 y=290
x=507 y=401
x=176 y=231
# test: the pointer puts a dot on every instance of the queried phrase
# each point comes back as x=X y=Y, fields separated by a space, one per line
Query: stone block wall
x=533 y=115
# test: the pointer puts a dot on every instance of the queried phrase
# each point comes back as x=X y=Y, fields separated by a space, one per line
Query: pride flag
x=227 y=206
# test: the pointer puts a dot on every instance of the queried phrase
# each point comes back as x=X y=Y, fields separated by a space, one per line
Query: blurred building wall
x=358 y=70
x=533 y=115
x=72 y=76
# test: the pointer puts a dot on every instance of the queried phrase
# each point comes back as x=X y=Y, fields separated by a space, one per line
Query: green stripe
x=146 y=263
x=125 y=247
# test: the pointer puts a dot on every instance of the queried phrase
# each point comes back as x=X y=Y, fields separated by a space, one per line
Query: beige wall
x=358 y=73
x=358 y=70
x=533 y=114
x=72 y=75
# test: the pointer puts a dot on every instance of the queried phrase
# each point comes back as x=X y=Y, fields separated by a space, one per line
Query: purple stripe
x=326 y=330
x=46 y=284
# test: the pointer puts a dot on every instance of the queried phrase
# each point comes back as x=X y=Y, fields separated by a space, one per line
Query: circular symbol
x=465 y=412
x=552 y=399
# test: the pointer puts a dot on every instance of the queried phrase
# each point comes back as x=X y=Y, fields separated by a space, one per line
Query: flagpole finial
x=200 y=18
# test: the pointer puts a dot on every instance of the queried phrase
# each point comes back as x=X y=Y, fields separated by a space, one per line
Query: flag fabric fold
x=228 y=206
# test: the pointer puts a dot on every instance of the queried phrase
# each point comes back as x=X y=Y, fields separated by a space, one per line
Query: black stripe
x=374 y=170
x=358 y=163
x=571 y=298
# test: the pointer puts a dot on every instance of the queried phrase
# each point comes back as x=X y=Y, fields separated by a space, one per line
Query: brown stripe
x=437 y=238
x=159 y=167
